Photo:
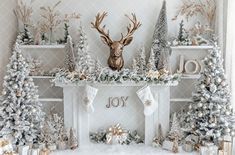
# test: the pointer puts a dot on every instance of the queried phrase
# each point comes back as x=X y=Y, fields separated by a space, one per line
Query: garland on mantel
x=108 y=76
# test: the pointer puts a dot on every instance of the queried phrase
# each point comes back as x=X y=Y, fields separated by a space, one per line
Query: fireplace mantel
x=75 y=115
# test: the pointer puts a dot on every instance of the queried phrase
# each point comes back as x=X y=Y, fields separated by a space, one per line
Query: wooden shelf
x=191 y=47
x=42 y=46
x=181 y=100
x=50 y=99
x=42 y=77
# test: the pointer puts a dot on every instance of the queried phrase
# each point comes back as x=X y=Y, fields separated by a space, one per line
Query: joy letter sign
x=117 y=102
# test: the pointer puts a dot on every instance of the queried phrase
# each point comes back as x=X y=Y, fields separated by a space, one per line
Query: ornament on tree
x=73 y=142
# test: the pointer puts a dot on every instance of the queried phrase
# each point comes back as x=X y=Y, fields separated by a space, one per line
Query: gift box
x=23 y=150
x=116 y=135
x=208 y=150
x=44 y=152
x=62 y=145
x=33 y=152
x=170 y=146
x=188 y=146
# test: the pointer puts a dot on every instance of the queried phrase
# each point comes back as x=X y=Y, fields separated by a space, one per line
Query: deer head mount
x=115 y=60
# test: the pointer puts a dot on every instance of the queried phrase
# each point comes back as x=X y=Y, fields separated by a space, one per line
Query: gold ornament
x=163 y=72
x=153 y=74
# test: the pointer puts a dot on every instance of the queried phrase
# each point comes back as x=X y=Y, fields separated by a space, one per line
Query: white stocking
x=146 y=97
x=88 y=98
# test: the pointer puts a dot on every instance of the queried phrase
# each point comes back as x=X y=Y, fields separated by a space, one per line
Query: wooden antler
x=96 y=25
x=132 y=27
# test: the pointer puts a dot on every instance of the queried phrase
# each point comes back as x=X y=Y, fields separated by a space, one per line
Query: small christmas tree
x=210 y=113
x=70 y=58
x=141 y=61
x=25 y=37
x=151 y=62
x=73 y=140
x=181 y=32
x=21 y=116
x=175 y=131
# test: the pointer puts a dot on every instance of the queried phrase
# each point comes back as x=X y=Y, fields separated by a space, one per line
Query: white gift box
x=209 y=150
x=33 y=152
x=23 y=150
x=168 y=145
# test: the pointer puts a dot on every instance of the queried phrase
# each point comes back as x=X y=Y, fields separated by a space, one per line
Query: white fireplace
x=130 y=114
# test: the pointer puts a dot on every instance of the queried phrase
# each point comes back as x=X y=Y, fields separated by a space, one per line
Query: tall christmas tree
x=85 y=64
x=70 y=58
x=20 y=112
x=159 y=44
x=210 y=113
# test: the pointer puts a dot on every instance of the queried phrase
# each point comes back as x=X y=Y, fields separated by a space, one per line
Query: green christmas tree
x=21 y=116
x=25 y=37
x=209 y=116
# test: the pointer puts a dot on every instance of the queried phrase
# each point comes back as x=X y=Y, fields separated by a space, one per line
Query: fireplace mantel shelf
x=127 y=84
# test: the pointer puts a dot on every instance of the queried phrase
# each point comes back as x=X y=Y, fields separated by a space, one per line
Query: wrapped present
x=170 y=146
x=10 y=153
x=23 y=150
x=116 y=135
x=208 y=150
x=188 y=146
x=44 y=152
x=62 y=145
x=52 y=147
x=33 y=152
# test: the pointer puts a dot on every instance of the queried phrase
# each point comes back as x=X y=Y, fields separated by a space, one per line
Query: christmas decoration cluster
x=207 y=125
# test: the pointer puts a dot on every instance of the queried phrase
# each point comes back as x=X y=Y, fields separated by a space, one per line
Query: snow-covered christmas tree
x=140 y=63
x=151 y=62
x=85 y=64
x=21 y=116
x=25 y=37
x=159 y=43
x=70 y=58
x=175 y=131
x=210 y=113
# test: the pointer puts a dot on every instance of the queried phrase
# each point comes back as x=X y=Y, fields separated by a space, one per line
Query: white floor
x=101 y=149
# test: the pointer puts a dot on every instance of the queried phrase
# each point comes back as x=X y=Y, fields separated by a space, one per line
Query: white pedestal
x=75 y=115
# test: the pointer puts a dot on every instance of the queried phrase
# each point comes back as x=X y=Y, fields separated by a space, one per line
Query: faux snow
x=103 y=149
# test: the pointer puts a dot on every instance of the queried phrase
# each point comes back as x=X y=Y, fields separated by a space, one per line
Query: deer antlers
x=105 y=35
x=132 y=27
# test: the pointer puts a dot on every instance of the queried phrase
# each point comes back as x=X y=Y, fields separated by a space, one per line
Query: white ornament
x=200 y=114
x=199 y=104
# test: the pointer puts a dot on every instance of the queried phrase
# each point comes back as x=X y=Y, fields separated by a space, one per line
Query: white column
x=68 y=107
x=160 y=116
x=230 y=47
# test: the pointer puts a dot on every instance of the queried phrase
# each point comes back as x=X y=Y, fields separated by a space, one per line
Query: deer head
x=115 y=60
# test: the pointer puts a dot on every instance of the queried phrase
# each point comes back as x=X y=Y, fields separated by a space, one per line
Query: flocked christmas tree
x=20 y=112
x=85 y=64
x=210 y=113
x=70 y=58
x=140 y=62
x=25 y=37
x=151 y=62
x=159 y=43
x=175 y=131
